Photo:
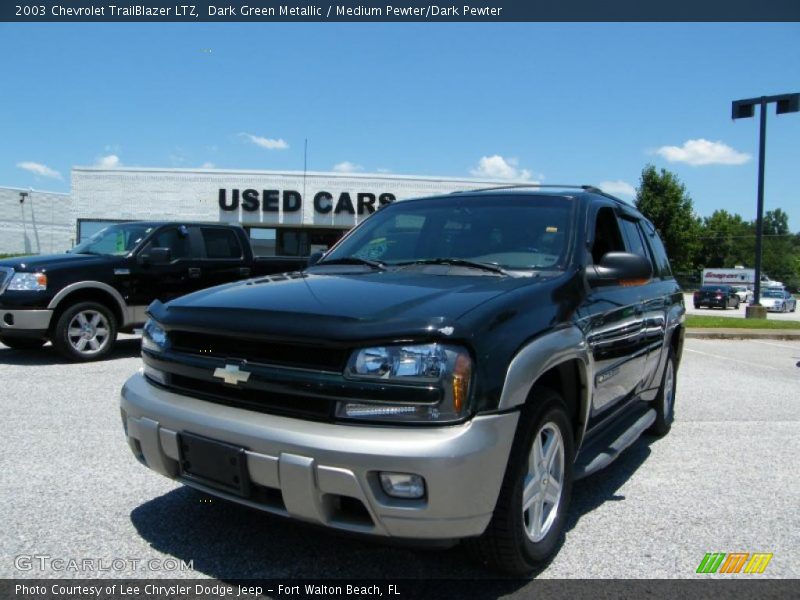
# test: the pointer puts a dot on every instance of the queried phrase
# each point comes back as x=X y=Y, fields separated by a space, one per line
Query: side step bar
x=599 y=453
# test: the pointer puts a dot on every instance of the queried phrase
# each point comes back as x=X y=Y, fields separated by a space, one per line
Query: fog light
x=402 y=485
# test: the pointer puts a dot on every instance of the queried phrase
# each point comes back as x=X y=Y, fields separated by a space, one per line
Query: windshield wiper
x=354 y=260
x=457 y=262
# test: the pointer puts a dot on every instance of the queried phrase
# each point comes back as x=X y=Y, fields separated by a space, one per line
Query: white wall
x=193 y=194
x=42 y=224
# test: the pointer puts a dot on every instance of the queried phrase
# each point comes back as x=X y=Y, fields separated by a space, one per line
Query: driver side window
x=607 y=237
x=176 y=241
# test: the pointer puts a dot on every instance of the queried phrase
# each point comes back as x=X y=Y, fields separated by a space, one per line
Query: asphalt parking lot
x=724 y=480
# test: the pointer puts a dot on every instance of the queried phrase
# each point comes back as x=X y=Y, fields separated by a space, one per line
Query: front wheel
x=85 y=331
x=531 y=509
x=665 y=400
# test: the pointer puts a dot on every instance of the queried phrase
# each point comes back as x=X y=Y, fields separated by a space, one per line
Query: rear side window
x=221 y=243
x=633 y=238
x=660 y=254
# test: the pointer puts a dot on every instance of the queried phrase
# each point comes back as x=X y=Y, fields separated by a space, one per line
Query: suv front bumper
x=318 y=472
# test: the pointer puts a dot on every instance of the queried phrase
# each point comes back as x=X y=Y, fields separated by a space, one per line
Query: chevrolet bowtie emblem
x=232 y=374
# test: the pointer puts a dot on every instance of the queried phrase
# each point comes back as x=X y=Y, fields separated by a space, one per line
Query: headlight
x=154 y=338
x=28 y=282
x=448 y=367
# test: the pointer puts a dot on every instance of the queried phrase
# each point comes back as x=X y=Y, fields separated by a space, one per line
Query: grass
x=697 y=321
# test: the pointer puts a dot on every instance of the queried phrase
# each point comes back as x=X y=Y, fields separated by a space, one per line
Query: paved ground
x=739 y=312
x=724 y=480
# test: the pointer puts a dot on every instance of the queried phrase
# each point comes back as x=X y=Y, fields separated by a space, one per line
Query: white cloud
x=207 y=165
x=39 y=169
x=703 y=152
x=383 y=170
x=347 y=167
x=267 y=143
x=110 y=161
x=497 y=167
x=618 y=187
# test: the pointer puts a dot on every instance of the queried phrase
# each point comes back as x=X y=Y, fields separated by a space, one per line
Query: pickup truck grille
x=260 y=351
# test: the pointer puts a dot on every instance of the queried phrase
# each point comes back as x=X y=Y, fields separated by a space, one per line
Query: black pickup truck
x=81 y=299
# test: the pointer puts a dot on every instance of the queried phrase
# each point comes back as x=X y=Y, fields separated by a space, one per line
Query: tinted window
x=633 y=238
x=716 y=288
x=607 y=237
x=221 y=243
x=660 y=254
x=177 y=241
x=515 y=232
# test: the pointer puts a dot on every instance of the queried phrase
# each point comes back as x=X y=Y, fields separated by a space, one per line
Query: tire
x=665 y=399
x=696 y=306
x=736 y=305
x=517 y=539
x=85 y=331
x=22 y=343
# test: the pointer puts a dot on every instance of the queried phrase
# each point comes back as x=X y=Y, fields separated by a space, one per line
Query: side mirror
x=314 y=258
x=156 y=256
x=620 y=268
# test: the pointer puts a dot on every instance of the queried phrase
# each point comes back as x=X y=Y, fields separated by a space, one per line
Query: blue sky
x=556 y=103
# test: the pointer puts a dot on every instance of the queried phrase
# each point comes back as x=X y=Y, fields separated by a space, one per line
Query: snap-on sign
x=292 y=201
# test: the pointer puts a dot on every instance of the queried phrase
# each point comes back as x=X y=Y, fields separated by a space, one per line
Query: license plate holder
x=216 y=464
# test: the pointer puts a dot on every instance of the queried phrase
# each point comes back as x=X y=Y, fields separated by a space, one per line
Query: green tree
x=778 y=258
x=726 y=240
x=663 y=199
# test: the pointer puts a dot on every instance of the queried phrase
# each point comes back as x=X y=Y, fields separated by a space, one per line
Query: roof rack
x=586 y=188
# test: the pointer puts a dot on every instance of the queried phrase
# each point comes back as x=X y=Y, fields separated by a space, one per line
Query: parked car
x=81 y=299
x=444 y=372
x=721 y=296
x=745 y=294
x=775 y=300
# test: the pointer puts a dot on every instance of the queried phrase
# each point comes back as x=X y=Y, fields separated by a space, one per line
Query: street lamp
x=743 y=109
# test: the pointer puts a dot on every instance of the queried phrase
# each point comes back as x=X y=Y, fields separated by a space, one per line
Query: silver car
x=745 y=294
x=778 y=301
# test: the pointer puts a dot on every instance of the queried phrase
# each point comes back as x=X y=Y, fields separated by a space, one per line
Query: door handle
x=194 y=272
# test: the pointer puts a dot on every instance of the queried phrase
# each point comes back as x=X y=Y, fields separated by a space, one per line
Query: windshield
x=116 y=240
x=512 y=232
x=772 y=294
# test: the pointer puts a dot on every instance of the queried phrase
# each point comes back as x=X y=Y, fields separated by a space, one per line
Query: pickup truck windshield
x=511 y=232
x=116 y=240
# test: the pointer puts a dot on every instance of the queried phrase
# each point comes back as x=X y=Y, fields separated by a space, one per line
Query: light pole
x=743 y=109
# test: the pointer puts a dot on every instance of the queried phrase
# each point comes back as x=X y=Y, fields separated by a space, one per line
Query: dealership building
x=285 y=213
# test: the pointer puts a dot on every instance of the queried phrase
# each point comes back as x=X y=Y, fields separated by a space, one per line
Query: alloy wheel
x=543 y=482
x=88 y=332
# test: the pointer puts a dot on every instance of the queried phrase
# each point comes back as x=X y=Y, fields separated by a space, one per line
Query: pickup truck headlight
x=449 y=367
x=31 y=282
x=154 y=338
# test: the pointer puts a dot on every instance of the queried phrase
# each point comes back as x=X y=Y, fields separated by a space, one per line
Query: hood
x=338 y=306
x=47 y=262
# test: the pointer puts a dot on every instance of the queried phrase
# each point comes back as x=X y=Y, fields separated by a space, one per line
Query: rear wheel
x=531 y=509
x=85 y=331
x=736 y=304
x=22 y=343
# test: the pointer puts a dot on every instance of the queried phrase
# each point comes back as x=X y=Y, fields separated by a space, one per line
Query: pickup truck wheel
x=665 y=400
x=22 y=343
x=85 y=331
x=531 y=509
